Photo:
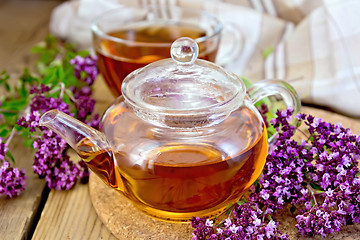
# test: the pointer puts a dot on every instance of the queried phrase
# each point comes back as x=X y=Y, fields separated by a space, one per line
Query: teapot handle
x=271 y=87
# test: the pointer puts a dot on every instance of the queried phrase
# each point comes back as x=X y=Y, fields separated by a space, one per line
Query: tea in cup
x=129 y=38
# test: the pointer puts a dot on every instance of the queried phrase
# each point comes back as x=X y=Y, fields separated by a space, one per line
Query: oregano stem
x=71 y=97
x=62 y=89
x=12 y=133
x=302 y=132
x=8 y=111
x=312 y=193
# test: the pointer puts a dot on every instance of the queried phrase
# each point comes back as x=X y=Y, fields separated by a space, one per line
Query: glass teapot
x=184 y=139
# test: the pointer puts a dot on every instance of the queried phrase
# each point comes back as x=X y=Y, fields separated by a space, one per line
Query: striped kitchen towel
x=312 y=44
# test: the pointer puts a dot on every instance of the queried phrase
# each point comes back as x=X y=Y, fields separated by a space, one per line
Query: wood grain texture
x=70 y=215
x=126 y=222
x=66 y=215
x=22 y=24
x=16 y=215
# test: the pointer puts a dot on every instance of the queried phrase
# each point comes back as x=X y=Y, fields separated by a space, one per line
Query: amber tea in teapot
x=183 y=140
x=183 y=178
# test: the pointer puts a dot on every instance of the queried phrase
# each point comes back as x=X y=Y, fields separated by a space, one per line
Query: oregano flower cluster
x=51 y=160
x=64 y=85
x=12 y=180
x=85 y=69
x=316 y=177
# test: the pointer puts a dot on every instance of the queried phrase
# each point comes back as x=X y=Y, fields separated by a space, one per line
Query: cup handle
x=237 y=44
x=265 y=88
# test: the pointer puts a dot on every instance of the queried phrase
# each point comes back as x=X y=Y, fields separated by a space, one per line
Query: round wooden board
x=127 y=222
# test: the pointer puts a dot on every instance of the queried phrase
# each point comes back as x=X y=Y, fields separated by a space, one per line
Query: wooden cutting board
x=127 y=222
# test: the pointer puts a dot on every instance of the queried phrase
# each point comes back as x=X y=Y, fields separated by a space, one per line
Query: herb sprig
x=316 y=178
x=62 y=80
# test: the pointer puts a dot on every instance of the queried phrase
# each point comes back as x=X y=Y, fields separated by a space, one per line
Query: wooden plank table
x=39 y=213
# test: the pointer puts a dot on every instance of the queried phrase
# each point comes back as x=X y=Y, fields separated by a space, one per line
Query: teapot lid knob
x=184 y=51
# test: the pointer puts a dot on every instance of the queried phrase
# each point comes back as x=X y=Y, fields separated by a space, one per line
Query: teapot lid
x=183 y=86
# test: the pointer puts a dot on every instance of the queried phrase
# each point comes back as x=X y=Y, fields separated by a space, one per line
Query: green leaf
x=9 y=116
x=229 y=208
x=10 y=156
x=83 y=74
x=241 y=201
x=47 y=50
x=69 y=48
x=60 y=73
x=67 y=100
x=14 y=104
x=267 y=51
x=73 y=81
x=270 y=129
x=22 y=91
x=18 y=128
x=37 y=49
x=51 y=42
x=315 y=186
x=319 y=191
x=246 y=81
x=4 y=77
x=4 y=131
x=26 y=77
x=49 y=56
x=4 y=80
x=83 y=53
x=28 y=142
x=69 y=77
x=25 y=133
x=7 y=87
x=53 y=75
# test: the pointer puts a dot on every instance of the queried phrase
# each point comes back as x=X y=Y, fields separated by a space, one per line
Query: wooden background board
x=19 y=30
x=71 y=214
x=66 y=215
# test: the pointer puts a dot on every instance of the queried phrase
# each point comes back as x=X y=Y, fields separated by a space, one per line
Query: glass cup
x=129 y=38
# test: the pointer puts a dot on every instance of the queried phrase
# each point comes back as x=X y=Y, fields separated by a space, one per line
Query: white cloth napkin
x=312 y=44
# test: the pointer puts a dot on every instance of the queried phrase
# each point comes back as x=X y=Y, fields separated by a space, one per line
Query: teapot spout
x=89 y=143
